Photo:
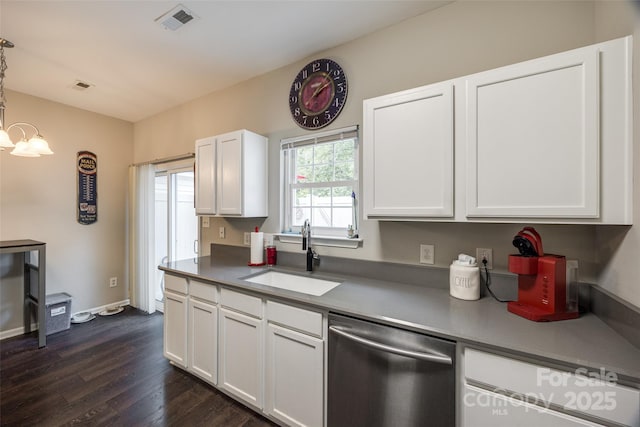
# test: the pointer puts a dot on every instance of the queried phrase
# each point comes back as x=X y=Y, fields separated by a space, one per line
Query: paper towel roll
x=257 y=247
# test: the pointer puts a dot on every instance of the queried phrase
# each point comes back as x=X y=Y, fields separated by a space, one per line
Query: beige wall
x=619 y=247
x=38 y=196
x=458 y=39
x=38 y=201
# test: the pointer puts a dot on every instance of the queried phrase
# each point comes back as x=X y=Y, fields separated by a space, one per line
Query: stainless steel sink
x=293 y=282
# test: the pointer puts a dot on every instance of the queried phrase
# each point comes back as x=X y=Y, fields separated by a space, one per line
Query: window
x=320 y=181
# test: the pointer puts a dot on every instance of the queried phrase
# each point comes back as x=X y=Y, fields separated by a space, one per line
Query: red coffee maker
x=542 y=281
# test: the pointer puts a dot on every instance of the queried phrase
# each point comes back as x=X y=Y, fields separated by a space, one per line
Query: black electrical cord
x=488 y=282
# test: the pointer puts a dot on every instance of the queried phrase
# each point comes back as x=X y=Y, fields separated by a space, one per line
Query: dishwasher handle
x=429 y=357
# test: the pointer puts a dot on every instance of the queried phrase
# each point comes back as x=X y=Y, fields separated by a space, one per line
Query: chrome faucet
x=306 y=245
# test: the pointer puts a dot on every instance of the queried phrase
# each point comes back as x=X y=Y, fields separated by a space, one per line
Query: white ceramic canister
x=464 y=278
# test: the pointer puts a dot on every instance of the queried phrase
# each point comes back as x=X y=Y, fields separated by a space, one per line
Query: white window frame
x=287 y=172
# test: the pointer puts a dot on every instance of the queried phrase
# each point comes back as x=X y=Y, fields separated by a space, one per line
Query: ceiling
x=137 y=68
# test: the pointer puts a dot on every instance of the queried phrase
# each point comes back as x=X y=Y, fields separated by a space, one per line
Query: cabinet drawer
x=203 y=291
x=296 y=318
x=175 y=283
x=573 y=391
x=241 y=302
x=483 y=408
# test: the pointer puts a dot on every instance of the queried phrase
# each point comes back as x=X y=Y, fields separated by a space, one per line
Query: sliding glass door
x=176 y=223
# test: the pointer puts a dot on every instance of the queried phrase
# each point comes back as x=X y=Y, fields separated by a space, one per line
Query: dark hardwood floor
x=108 y=372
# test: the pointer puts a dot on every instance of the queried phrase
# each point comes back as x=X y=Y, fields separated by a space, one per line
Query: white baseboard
x=34 y=326
x=17 y=331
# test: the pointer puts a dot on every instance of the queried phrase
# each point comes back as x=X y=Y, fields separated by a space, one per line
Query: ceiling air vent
x=176 y=18
x=80 y=85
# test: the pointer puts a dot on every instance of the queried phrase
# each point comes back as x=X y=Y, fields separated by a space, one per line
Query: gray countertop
x=586 y=341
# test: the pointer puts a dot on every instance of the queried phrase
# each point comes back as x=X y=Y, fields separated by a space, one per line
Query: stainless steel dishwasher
x=385 y=376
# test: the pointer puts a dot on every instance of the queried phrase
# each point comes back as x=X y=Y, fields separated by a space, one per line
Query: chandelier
x=36 y=145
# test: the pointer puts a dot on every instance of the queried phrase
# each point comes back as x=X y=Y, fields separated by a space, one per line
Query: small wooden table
x=39 y=297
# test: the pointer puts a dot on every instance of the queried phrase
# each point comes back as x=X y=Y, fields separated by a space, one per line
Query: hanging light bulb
x=36 y=145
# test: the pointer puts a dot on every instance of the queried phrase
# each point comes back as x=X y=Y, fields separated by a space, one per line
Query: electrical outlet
x=113 y=282
x=247 y=239
x=205 y=222
x=485 y=253
x=221 y=232
x=427 y=254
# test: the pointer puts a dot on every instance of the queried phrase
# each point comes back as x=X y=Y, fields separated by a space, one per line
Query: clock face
x=318 y=94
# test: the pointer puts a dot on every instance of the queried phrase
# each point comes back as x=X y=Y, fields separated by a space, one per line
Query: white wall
x=38 y=201
x=458 y=39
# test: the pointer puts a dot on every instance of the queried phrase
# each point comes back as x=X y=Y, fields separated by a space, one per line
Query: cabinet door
x=533 y=139
x=241 y=356
x=175 y=328
x=408 y=153
x=255 y=180
x=230 y=173
x=484 y=408
x=203 y=340
x=205 y=176
x=294 y=377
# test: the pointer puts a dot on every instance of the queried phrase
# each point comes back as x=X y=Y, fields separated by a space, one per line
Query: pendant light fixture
x=36 y=145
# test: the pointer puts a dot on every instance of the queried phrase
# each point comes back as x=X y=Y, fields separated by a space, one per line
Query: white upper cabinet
x=536 y=132
x=408 y=153
x=205 y=176
x=231 y=175
x=549 y=140
x=532 y=140
x=543 y=141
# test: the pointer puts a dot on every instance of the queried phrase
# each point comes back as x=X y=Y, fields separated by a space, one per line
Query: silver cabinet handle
x=195 y=246
x=430 y=357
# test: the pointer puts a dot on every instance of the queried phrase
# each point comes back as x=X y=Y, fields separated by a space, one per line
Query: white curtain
x=141 y=237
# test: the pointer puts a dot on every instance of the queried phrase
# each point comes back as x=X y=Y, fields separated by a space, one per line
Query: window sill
x=333 y=241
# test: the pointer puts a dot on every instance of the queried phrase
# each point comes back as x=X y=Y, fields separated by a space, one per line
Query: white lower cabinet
x=203 y=330
x=503 y=391
x=241 y=355
x=191 y=326
x=485 y=408
x=295 y=366
x=203 y=340
x=241 y=346
x=267 y=354
x=175 y=320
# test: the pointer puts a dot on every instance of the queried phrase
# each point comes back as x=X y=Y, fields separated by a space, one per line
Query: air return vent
x=176 y=18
